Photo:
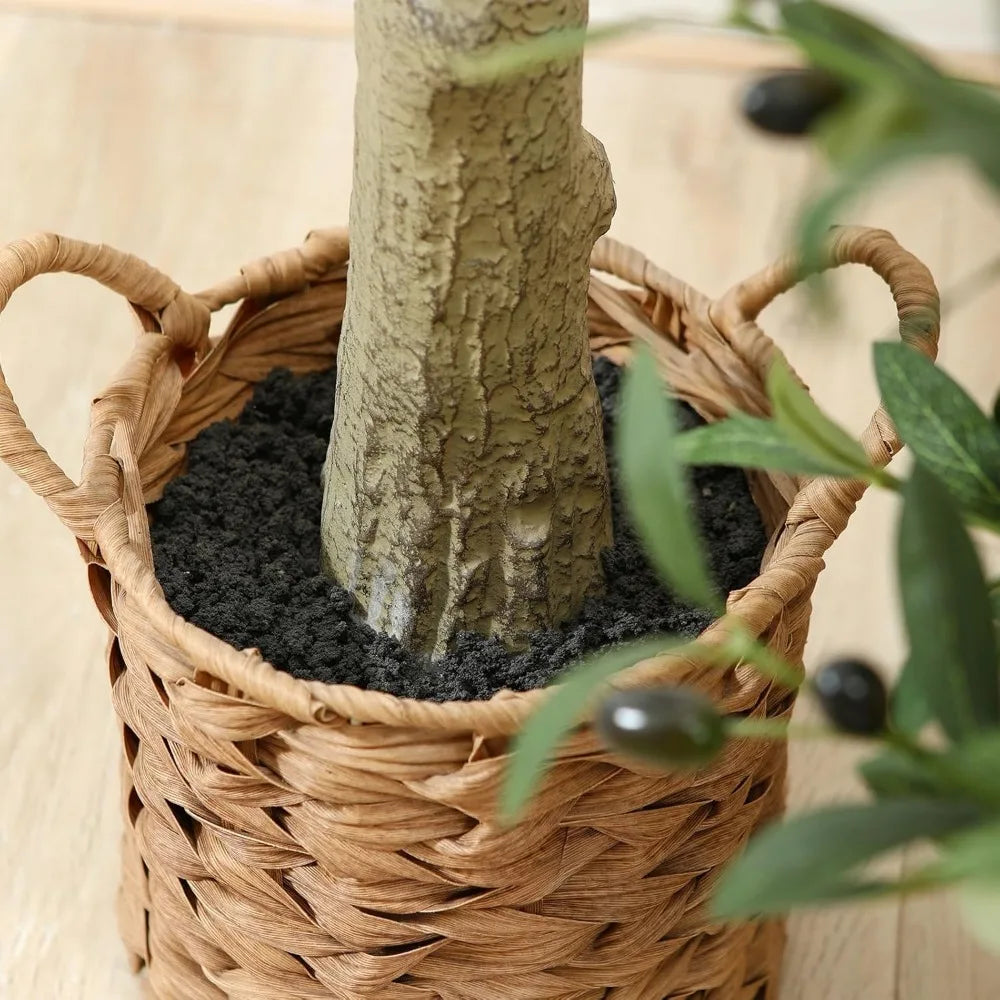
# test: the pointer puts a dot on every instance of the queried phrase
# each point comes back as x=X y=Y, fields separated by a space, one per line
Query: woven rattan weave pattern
x=286 y=839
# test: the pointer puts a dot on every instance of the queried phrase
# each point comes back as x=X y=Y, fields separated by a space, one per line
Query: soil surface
x=236 y=548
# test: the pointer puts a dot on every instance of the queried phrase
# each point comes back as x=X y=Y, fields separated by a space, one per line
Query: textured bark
x=466 y=485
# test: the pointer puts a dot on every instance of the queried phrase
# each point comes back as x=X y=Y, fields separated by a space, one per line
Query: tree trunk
x=466 y=484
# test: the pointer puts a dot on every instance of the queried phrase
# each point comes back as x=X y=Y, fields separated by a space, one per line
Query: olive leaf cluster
x=872 y=104
x=945 y=789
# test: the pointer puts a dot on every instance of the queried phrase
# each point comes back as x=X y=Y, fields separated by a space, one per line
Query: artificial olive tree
x=466 y=484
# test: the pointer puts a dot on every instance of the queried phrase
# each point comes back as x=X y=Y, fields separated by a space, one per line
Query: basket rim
x=655 y=307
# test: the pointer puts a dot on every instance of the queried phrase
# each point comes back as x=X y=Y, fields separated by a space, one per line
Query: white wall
x=969 y=25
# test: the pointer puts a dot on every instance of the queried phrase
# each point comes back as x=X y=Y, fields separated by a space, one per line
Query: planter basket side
x=286 y=839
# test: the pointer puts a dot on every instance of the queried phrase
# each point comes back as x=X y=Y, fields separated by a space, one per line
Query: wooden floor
x=201 y=149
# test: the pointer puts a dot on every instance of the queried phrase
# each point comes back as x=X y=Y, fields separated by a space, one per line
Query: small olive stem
x=741 y=15
x=507 y=59
x=770 y=729
x=743 y=644
x=929 y=879
x=905 y=743
x=885 y=479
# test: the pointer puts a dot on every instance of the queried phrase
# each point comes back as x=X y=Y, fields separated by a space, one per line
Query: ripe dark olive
x=791 y=101
x=674 y=727
x=853 y=696
x=996 y=408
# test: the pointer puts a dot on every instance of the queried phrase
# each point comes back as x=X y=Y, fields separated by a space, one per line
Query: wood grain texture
x=202 y=150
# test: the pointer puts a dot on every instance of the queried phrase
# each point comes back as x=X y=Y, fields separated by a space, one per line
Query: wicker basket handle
x=918 y=309
x=909 y=281
x=162 y=308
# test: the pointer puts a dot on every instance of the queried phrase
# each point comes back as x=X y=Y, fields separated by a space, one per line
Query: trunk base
x=251 y=500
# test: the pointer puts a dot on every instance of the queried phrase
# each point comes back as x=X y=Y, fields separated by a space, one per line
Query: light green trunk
x=466 y=485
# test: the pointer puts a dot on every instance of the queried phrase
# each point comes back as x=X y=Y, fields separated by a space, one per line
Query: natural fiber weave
x=289 y=840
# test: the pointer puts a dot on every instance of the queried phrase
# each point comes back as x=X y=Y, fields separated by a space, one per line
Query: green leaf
x=752 y=443
x=820 y=212
x=967 y=116
x=941 y=422
x=953 y=645
x=973 y=857
x=655 y=484
x=979 y=904
x=866 y=120
x=497 y=63
x=896 y=774
x=851 y=45
x=512 y=59
x=901 y=108
x=910 y=710
x=741 y=16
x=888 y=78
x=741 y=644
x=954 y=127
x=969 y=771
x=561 y=711
x=812 y=858
x=813 y=431
x=972 y=854
x=973 y=767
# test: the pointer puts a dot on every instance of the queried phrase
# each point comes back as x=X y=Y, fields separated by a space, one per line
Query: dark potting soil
x=236 y=548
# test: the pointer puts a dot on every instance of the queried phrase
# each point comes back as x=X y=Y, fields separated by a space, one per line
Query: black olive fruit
x=996 y=408
x=790 y=102
x=674 y=727
x=853 y=696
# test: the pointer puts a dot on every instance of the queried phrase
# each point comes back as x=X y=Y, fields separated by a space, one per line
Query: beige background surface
x=202 y=149
x=960 y=24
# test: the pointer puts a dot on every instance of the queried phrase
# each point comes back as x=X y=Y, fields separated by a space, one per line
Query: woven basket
x=288 y=840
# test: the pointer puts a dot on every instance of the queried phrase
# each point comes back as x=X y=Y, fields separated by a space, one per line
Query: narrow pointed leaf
x=969 y=771
x=910 y=709
x=854 y=177
x=752 y=443
x=814 y=858
x=561 y=712
x=872 y=118
x=947 y=431
x=972 y=854
x=840 y=40
x=895 y=774
x=953 y=644
x=974 y=858
x=512 y=59
x=901 y=109
x=806 y=424
x=979 y=904
x=973 y=767
x=656 y=487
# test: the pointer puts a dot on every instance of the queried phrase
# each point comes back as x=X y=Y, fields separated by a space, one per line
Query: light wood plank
x=222 y=147
x=949 y=221
x=934 y=947
x=179 y=146
x=849 y=953
x=312 y=18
